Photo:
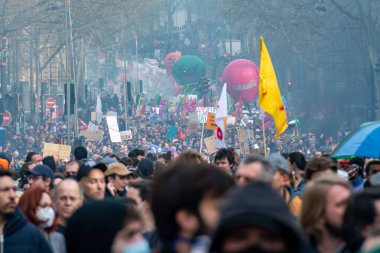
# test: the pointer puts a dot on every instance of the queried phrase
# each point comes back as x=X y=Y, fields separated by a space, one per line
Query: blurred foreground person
x=297 y=164
x=16 y=234
x=67 y=198
x=92 y=180
x=254 y=218
x=318 y=166
x=185 y=202
x=38 y=209
x=105 y=226
x=362 y=215
x=324 y=203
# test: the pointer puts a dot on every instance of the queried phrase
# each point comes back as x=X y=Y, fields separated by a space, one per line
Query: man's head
x=254 y=168
x=41 y=176
x=317 y=166
x=118 y=175
x=282 y=171
x=262 y=225
x=297 y=161
x=7 y=194
x=224 y=159
x=185 y=199
x=138 y=191
x=137 y=153
x=80 y=153
x=372 y=168
x=33 y=157
x=72 y=168
x=324 y=203
x=67 y=197
x=91 y=178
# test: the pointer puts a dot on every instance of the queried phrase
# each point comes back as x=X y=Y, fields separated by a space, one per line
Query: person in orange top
x=281 y=183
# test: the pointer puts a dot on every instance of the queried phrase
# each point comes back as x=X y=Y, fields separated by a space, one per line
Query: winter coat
x=21 y=236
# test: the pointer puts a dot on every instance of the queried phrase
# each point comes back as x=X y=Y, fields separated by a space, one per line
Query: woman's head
x=37 y=207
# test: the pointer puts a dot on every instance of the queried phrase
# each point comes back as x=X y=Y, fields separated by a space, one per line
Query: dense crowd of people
x=138 y=201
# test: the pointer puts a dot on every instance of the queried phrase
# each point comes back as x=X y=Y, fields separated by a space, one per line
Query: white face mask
x=47 y=215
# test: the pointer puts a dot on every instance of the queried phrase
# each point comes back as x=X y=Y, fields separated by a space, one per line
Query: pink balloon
x=242 y=78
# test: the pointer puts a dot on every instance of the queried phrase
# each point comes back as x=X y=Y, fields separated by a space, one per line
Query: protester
x=117 y=179
x=145 y=169
x=324 y=203
x=260 y=225
x=185 y=201
x=16 y=234
x=254 y=168
x=361 y=216
x=41 y=176
x=33 y=157
x=80 y=153
x=297 y=163
x=71 y=169
x=372 y=168
x=37 y=206
x=281 y=183
x=138 y=191
x=105 y=226
x=318 y=166
x=225 y=160
x=91 y=178
x=67 y=198
x=137 y=153
x=50 y=162
x=356 y=173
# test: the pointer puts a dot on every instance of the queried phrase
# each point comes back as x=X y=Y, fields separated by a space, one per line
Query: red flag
x=181 y=135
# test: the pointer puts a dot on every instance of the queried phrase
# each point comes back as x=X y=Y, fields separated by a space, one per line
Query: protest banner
x=60 y=152
x=93 y=116
x=126 y=135
x=113 y=129
x=92 y=136
x=210 y=144
x=211 y=124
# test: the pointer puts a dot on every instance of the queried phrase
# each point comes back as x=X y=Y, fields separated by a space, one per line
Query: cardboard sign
x=60 y=152
x=126 y=135
x=192 y=127
x=210 y=122
x=93 y=116
x=210 y=144
x=93 y=136
x=243 y=140
x=113 y=129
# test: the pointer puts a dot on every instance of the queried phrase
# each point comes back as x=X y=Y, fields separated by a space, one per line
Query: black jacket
x=21 y=236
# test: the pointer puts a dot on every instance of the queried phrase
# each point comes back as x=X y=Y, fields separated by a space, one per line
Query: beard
x=334 y=230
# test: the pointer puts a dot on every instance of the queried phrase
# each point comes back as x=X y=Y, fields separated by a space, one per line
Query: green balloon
x=188 y=70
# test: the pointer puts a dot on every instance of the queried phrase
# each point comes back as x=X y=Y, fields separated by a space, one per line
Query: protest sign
x=113 y=129
x=202 y=113
x=210 y=144
x=243 y=140
x=93 y=116
x=61 y=152
x=126 y=135
x=210 y=122
x=92 y=136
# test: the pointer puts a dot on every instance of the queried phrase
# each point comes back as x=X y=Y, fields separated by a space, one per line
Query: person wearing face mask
x=36 y=204
x=106 y=226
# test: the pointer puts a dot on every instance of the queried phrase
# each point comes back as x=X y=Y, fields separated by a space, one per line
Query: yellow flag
x=269 y=93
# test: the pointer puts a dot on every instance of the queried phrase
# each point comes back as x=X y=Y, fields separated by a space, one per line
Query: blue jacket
x=21 y=236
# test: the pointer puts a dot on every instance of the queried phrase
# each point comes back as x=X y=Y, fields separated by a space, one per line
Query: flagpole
x=264 y=137
x=203 y=128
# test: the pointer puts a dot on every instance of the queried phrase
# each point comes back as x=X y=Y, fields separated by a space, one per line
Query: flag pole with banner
x=203 y=129
x=264 y=135
x=269 y=93
x=221 y=115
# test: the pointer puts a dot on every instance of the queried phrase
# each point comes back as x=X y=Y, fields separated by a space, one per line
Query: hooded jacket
x=21 y=236
x=258 y=204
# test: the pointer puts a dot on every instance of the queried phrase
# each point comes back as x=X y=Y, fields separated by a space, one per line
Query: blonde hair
x=314 y=203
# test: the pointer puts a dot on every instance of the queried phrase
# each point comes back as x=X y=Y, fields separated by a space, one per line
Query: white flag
x=99 y=113
x=220 y=117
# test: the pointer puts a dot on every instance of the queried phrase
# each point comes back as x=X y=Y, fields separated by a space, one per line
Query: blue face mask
x=137 y=247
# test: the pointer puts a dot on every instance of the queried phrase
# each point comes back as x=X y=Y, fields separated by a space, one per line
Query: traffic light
x=204 y=85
